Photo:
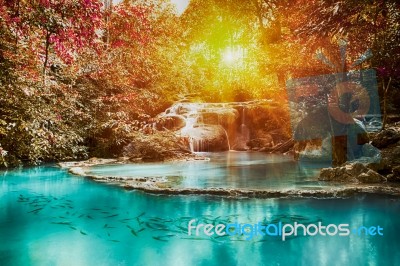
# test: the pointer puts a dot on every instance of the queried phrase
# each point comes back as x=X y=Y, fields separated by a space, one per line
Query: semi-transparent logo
x=339 y=105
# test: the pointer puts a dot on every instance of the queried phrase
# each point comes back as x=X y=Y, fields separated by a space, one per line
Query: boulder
x=207 y=138
x=386 y=137
x=351 y=173
x=170 y=122
x=389 y=162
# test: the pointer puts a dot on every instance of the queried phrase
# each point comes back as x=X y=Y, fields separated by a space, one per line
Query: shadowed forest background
x=83 y=78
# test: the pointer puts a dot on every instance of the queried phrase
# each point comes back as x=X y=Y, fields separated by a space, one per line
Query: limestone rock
x=386 y=137
x=171 y=122
x=351 y=173
x=208 y=138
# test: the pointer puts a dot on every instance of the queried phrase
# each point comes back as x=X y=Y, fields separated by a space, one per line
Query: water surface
x=48 y=217
x=245 y=170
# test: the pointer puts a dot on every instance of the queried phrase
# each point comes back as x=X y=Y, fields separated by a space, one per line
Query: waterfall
x=227 y=137
x=211 y=126
x=244 y=130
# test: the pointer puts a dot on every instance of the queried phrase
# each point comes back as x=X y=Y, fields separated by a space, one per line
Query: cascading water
x=205 y=124
x=244 y=130
x=211 y=126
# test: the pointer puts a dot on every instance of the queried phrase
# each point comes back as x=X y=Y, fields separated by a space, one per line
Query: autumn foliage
x=79 y=78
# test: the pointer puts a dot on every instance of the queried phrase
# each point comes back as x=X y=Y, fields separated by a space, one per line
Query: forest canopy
x=80 y=78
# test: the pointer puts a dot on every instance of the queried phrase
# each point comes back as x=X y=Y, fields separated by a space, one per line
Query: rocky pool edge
x=165 y=186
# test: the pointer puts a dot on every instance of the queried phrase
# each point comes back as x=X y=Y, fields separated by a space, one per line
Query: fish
x=110 y=216
x=73 y=228
x=159 y=239
x=140 y=215
x=36 y=210
x=107 y=226
x=156 y=219
x=141 y=229
x=90 y=217
x=168 y=236
x=125 y=220
x=113 y=240
x=62 y=223
x=156 y=226
x=182 y=228
x=83 y=233
x=133 y=232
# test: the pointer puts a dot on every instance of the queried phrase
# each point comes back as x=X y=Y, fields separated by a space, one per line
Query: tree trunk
x=339 y=150
x=385 y=94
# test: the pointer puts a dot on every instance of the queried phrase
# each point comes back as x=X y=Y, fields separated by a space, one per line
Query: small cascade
x=243 y=116
x=244 y=132
x=227 y=137
x=191 y=119
x=191 y=144
x=209 y=126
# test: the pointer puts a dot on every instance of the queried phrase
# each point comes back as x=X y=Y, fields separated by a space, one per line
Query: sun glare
x=232 y=55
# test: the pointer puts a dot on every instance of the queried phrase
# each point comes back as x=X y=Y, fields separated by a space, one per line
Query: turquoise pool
x=49 y=217
x=244 y=170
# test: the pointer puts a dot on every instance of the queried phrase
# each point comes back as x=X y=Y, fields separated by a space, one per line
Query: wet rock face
x=224 y=117
x=351 y=173
x=235 y=124
x=208 y=138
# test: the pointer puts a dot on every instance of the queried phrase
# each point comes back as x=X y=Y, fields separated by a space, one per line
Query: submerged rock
x=351 y=173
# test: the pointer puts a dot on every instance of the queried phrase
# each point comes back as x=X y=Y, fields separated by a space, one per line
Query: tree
x=41 y=25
